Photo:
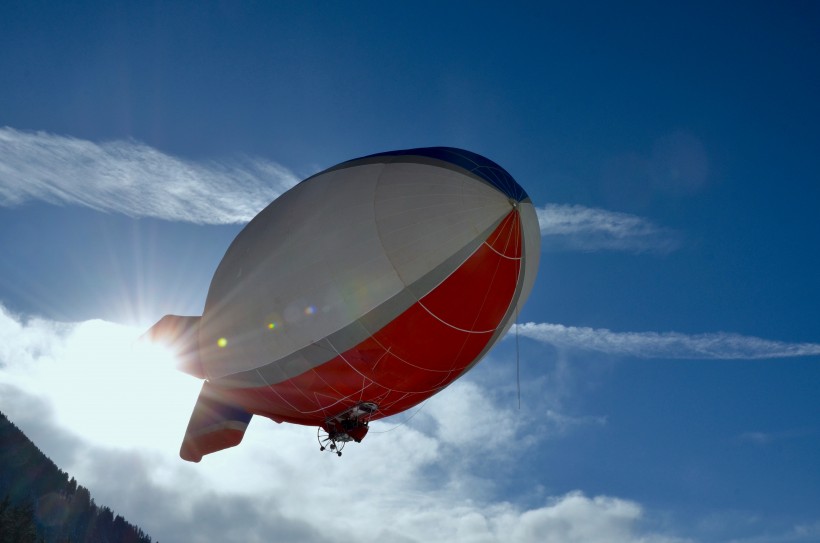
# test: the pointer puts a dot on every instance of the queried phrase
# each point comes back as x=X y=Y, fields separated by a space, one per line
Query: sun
x=119 y=391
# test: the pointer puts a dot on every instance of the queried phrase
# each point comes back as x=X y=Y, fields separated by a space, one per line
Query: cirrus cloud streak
x=593 y=229
x=718 y=345
x=134 y=179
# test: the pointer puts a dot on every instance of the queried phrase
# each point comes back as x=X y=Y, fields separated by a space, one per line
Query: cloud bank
x=720 y=346
x=134 y=179
x=432 y=479
x=592 y=229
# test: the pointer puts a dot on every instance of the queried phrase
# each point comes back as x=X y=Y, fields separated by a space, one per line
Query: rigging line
x=499 y=253
x=373 y=381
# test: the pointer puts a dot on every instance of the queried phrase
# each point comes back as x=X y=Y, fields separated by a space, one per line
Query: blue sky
x=671 y=358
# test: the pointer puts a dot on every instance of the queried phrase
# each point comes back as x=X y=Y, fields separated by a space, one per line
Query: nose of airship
x=477 y=165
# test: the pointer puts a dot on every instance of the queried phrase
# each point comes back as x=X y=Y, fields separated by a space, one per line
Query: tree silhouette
x=41 y=504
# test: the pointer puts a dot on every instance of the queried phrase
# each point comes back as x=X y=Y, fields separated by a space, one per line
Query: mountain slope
x=39 y=502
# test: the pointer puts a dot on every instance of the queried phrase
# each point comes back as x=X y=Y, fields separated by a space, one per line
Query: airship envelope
x=357 y=294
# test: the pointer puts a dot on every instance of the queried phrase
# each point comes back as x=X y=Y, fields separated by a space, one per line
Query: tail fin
x=182 y=335
x=215 y=424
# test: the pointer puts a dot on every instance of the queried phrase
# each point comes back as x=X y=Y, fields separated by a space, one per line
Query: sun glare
x=120 y=391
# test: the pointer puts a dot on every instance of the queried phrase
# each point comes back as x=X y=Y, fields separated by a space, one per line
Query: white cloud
x=101 y=382
x=21 y=341
x=134 y=179
x=458 y=428
x=563 y=422
x=114 y=420
x=664 y=345
x=575 y=517
x=591 y=229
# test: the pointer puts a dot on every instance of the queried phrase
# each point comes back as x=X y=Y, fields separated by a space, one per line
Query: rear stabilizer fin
x=215 y=424
x=181 y=334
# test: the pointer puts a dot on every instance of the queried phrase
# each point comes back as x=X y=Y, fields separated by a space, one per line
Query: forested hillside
x=40 y=503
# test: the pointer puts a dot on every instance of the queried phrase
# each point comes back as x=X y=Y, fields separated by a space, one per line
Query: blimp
x=357 y=294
